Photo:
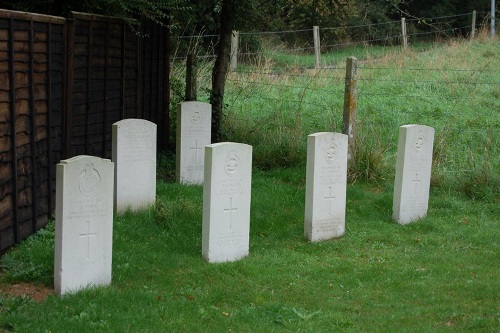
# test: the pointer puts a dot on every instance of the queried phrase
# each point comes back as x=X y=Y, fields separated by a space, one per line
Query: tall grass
x=274 y=101
x=453 y=87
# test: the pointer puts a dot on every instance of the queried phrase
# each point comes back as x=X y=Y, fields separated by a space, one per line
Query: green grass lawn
x=440 y=274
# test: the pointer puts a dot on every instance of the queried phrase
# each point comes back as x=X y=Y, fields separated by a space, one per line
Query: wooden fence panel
x=63 y=83
x=31 y=83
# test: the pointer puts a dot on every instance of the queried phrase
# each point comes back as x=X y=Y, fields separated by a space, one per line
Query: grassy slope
x=439 y=274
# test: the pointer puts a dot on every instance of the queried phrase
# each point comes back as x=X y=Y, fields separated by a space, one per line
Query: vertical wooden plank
x=32 y=113
x=158 y=65
x=166 y=59
x=124 y=40
x=69 y=75
x=50 y=157
x=138 y=86
x=12 y=97
x=106 y=92
x=89 y=87
x=149 y=83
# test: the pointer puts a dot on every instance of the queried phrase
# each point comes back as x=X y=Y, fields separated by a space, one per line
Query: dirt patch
x=37 y=293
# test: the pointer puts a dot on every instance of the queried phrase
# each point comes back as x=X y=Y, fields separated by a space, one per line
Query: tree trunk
x=220 y=69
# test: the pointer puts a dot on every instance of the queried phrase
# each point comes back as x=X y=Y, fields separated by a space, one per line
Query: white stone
x=134 y=155
x=413 y=173
x=84 y=223
x=194 y=124
x=226 y=201
x=326 y=181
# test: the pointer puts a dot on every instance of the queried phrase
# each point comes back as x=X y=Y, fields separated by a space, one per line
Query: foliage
x=158 y=11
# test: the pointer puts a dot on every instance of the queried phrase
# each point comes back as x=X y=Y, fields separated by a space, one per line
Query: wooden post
x=317 y=47
x=492 y=25
x=190 y=78
x=403 y=32
x=350 y=101
x=473 y=29
x=235 y=37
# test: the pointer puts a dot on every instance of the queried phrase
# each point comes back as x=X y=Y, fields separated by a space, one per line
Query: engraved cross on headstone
x=87 y=234
x=331 y=199
x=195 y=151
x=416 y=181
x=230 y=211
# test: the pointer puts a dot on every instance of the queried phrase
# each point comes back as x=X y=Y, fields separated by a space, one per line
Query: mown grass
x=439 y=274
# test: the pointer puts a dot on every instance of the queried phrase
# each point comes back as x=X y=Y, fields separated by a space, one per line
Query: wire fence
x=253 y=45
x=278 y=91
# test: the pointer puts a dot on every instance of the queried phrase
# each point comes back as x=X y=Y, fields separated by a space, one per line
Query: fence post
x=492 y=25
x=235 y=37
x=190 y=78
x=350 y=101
x=473 y=29
x=403 y=31
x=317 y=47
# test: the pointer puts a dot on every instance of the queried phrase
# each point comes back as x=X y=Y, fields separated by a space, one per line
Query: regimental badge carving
x=231 y=163
x=330 y=150
x=196 y=116
x=420 y=141
x=89 y=181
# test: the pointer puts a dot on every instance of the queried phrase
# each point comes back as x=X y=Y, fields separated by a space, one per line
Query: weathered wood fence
x=63 y=83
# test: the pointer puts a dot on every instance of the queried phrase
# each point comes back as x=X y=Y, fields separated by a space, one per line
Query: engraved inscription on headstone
x=230 y=210
x=326 y=182
x=196 y=150
x=226 y=201
x=84 y=223
x=330 y=199
x=194 y=123
x=413 y=173
x=134 y=155
x=87 y=241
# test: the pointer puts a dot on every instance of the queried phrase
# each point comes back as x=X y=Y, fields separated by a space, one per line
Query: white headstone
x=413 y=173
x=326 y=181
x=84 y=223
x=194 y=124
x=226 y=201
x=134 y=155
